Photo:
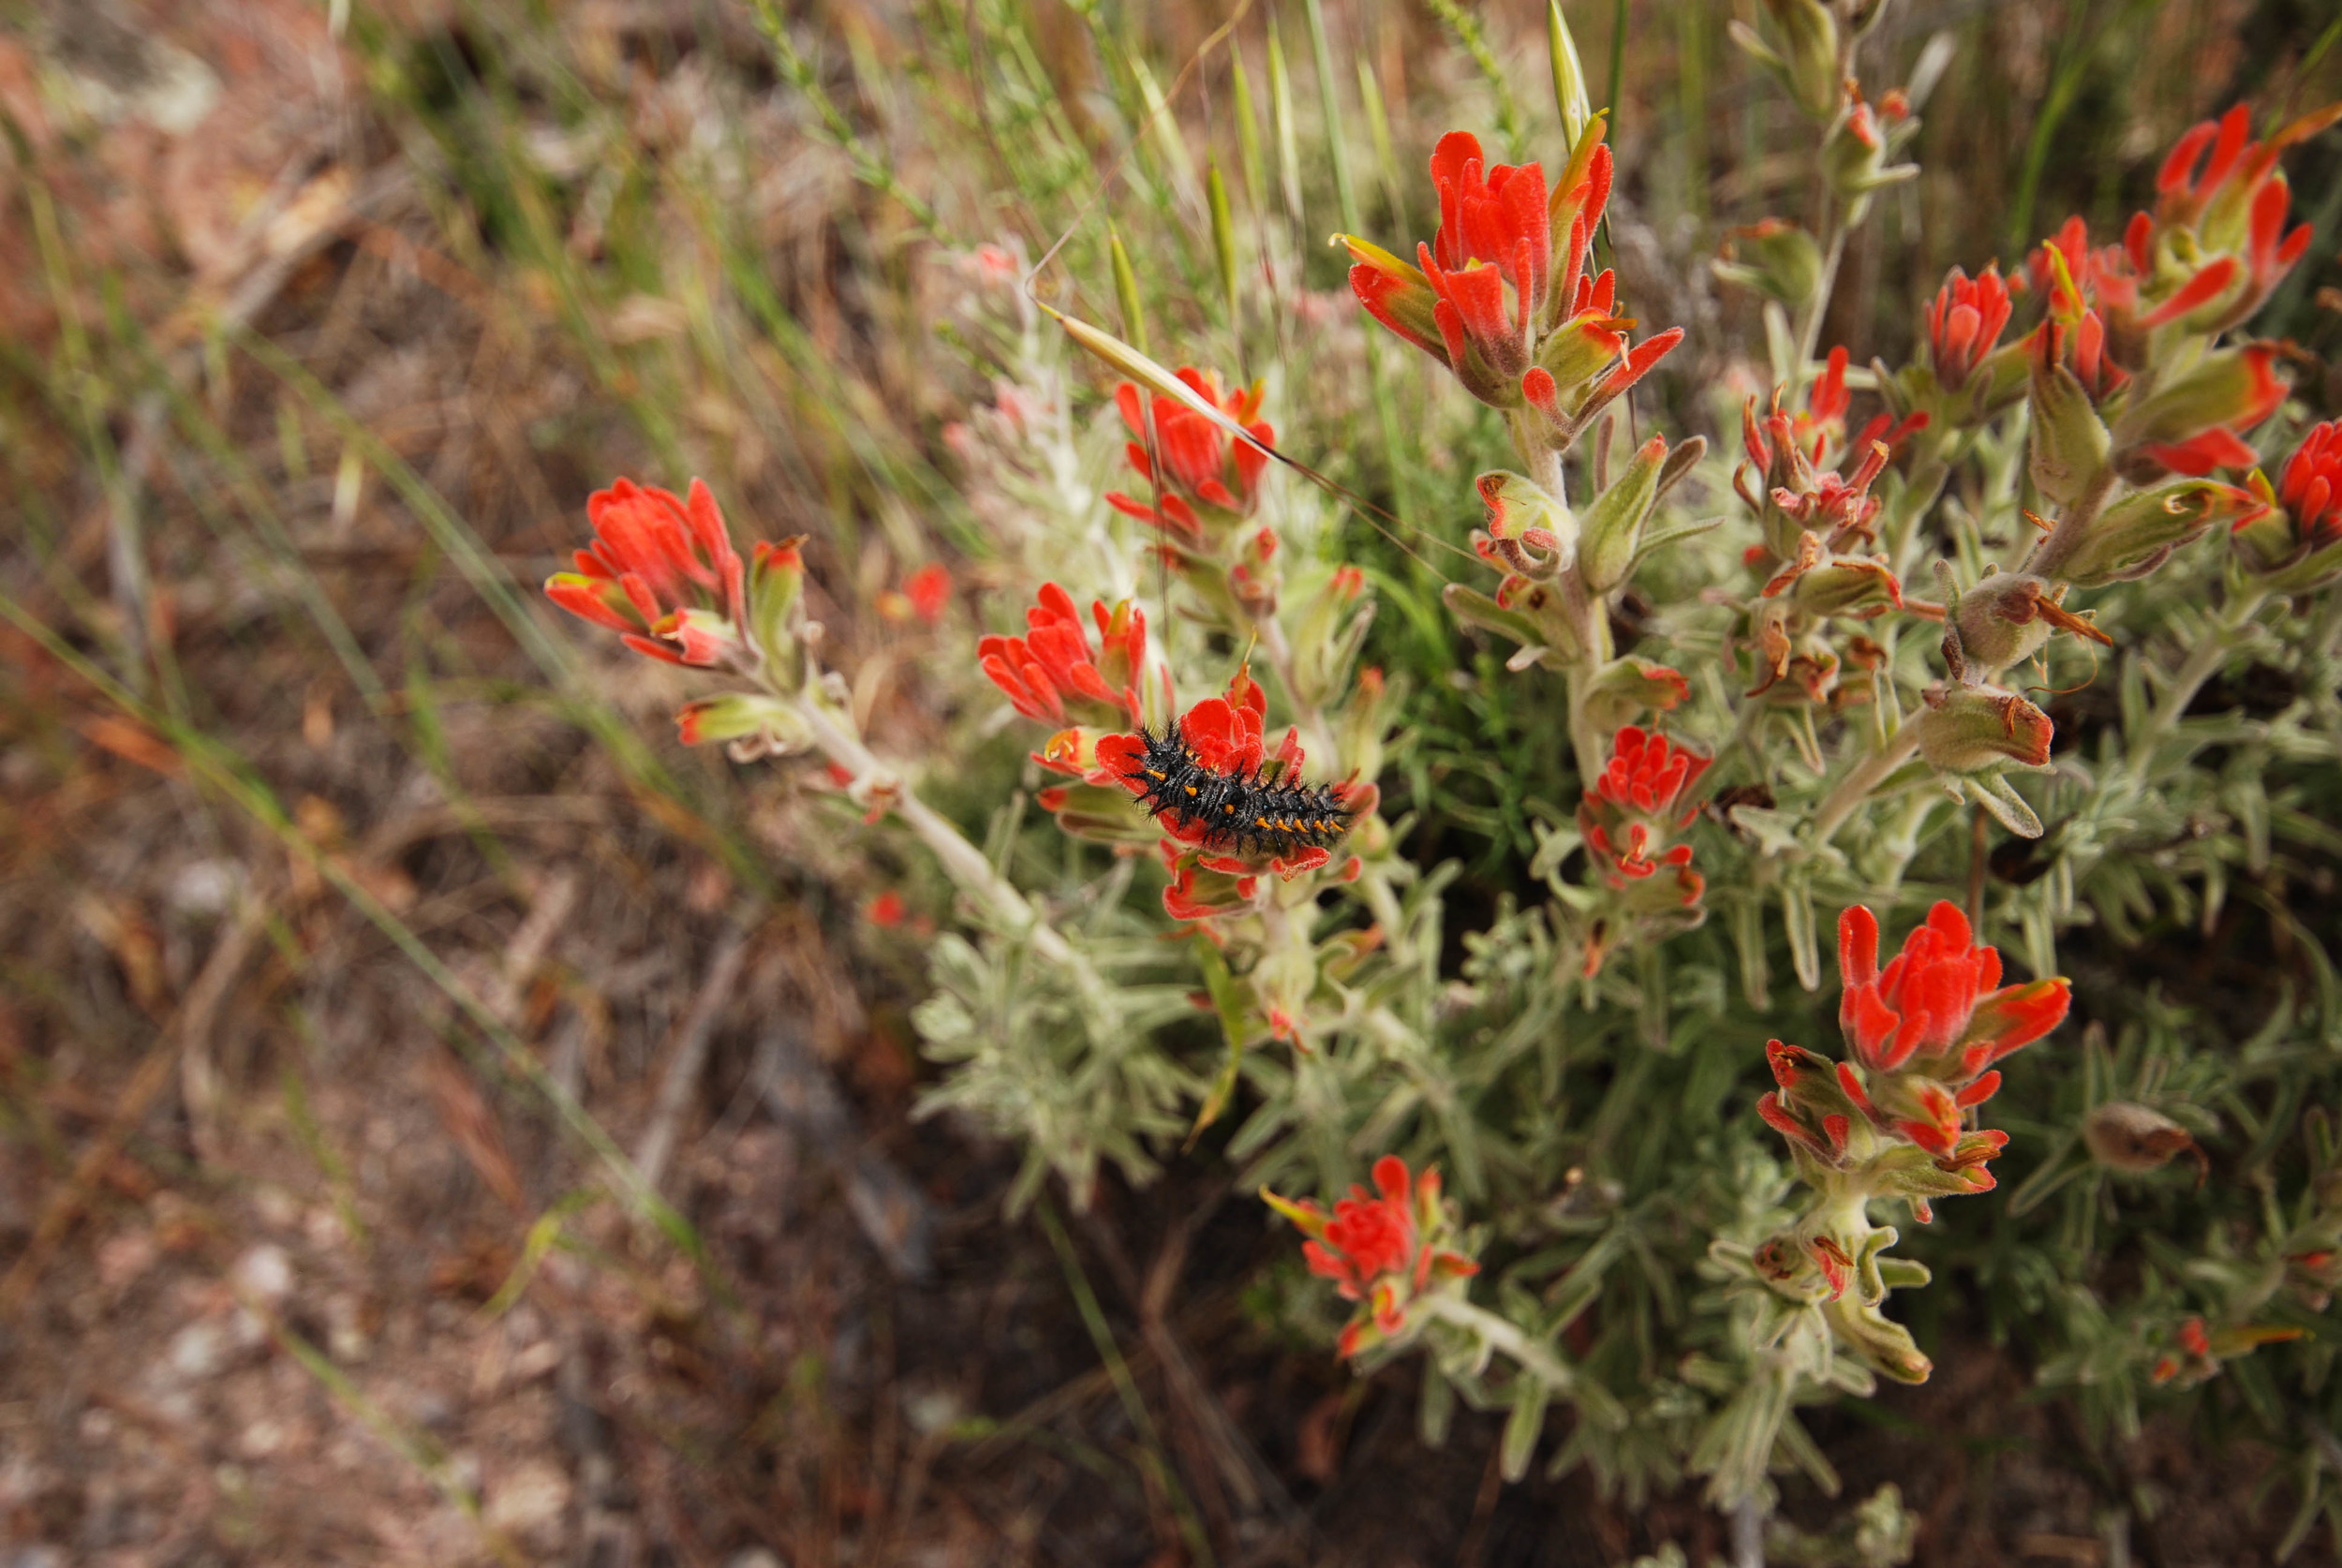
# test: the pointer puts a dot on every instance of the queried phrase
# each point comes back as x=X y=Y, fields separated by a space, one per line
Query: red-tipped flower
x=1963 y=323
x=2217 y=178
x=661 y=570
x=2219 y=221
x=1636 y=806
x=1051 y=664
x=2194 y=423
x=2294 y=541
x=1201 y=474
x=1382 y=1248
x=1939 y=1009
x=1493 y=258
x=2311 y=489
x=1501 y=295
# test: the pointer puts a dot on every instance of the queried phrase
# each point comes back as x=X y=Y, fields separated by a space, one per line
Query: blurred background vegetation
x=441 y=1119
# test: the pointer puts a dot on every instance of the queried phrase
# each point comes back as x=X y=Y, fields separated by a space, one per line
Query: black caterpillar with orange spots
x=1233 y=809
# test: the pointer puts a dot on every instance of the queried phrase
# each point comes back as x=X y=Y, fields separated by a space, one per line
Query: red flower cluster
x=1925 y=1032
x=1795 y=457
x=2294 y=539
x=2228 y=189
x=661 y=570
x=1632 y=810
x=1200 y=465
x=1938 y=1003
x=1378 y=1247
x=2311 y=489
x=1492 y=214
x=1486 y=298
x=1963 y=323
x=1052 y=662
x=2215 y=249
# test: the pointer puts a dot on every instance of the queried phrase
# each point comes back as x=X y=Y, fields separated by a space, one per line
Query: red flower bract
x=2310 y=489
x=1632 y=810
x=1964 y=322
x=929 y=590
x=1647 y=774
x=1938 y=998
x=1493 y=232
x=1384 y=1247
x=1368 y=1234
x=661 y=567
x=1195 y=461
x=1052 y=661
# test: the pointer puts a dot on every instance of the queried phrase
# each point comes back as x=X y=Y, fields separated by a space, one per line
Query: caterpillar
x=1235 y=808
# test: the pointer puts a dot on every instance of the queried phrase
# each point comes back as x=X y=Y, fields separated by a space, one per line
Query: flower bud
x=1854 y=154
x=1963 y=324
x=1520 y=512
x=2127 y=1136
x=1806 y=58
x=2069 y=441
x=1499 y=614
x=1396 y=293
x=1983 y=728
x=1990 y=634
x=1614 y=522
x=2232 y=391
x=1886 y=1346
x=2295 y=542
x=1774 y=257
x=1624 y=689
x=2137 y=534
x=757 y=726
x=776 y=612
x=1099 y=813
x=1820 y=584
x=1577 y=353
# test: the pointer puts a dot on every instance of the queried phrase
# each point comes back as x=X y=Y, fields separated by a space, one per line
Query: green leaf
x=1569 y=74
x=1523 y=1425
x=1228 y=1003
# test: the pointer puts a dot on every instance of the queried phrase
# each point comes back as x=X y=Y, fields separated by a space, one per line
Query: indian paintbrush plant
x=1808 y=672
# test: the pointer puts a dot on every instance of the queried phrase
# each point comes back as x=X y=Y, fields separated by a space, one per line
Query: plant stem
x=1505 y=1334
x=1588 y=613
x=1809 y=338
x=2065 y=538
x=962 y=862
x=1856 y=786
x=1748 y=1534
x=2204 y=662
x=1279 y=652
x=1590 y=619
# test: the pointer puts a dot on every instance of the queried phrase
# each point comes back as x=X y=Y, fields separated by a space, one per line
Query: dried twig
x=690 y=1052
